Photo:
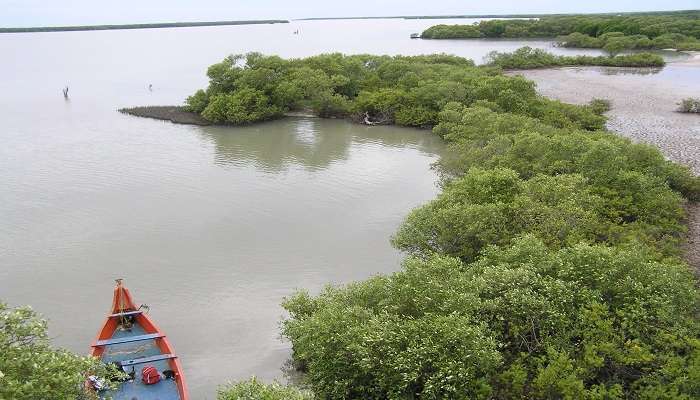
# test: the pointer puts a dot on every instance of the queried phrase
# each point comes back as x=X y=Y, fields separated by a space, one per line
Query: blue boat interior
x=135 y=349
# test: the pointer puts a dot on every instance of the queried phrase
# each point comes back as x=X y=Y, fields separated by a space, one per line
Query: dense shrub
x=529 y=58
x=690 y=105
x=30 y=369
x=452 y=31
x=523 y=321
x=494 y=206
x=253 y=389
x=408 y=91
x=244 y=106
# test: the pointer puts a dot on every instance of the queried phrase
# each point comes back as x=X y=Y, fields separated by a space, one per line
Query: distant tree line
x=680 y=30
x=138 y=26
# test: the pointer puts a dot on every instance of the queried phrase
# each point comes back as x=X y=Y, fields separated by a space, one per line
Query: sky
x=15 y=13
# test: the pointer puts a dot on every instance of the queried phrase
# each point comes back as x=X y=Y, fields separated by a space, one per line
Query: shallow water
x=211 y=227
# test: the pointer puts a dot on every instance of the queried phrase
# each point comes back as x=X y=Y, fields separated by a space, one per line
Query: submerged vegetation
x=691 y=105
x=549 y=267
x=678 y=30
x=529 y=58
x=253 y=389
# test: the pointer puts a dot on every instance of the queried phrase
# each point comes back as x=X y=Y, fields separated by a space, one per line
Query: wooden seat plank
x=126 y=314
x=127 y=339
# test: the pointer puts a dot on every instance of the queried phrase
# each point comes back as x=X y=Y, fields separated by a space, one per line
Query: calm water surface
x=211 y=227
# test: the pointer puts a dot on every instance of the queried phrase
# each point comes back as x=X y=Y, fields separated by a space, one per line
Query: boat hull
x=131 y=338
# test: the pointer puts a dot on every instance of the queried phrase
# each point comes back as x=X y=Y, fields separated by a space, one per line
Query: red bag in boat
x=150 y=375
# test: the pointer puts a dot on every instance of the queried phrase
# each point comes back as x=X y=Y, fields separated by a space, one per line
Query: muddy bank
x=644 y=103
x=175 y=114
x=178 y=114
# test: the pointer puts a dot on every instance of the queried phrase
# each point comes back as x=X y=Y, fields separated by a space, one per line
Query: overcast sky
x=71 y=12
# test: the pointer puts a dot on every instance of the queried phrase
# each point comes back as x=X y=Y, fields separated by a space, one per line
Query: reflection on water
x=630 y=71
x=311 y=143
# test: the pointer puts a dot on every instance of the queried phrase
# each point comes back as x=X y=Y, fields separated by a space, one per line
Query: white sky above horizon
x=87 y=12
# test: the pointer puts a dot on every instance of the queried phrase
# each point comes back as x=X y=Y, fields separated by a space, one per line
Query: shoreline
x=79 y=28
x=174 y=114
x=178 y=115
x=693 y=60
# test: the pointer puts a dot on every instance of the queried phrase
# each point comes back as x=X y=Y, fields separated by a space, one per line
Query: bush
x=452 y=32
x=30 y=369
x=690 y=105
x=241 y=107
x=197 y=102
x=529 y=58
x=253 y=389
x=522 y=322
x=408 y=91
x=600 y=106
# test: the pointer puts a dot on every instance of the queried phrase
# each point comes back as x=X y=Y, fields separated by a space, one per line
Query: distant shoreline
x=139 y=26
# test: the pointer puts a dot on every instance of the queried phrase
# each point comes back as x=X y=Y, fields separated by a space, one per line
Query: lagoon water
x=210 y=226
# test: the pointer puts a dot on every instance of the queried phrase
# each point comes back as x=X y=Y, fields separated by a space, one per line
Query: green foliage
x=243 y=106
x=408 y=91
x=452 y=31
x=679 y=30
x=30 y=369
x=494 y=206
x=197 y=102
x=600 y=106
x=615 y=45
x=524 y=321
x=253 y=389
x=529 y=58
x=690 y=105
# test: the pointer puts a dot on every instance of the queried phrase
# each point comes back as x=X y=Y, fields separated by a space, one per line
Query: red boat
x=130 y=339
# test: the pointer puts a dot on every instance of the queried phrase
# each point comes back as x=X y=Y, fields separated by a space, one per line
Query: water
x=211 y=227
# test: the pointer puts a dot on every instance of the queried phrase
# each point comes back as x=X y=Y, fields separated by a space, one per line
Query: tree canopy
x=407 y=91
x=31 y=369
